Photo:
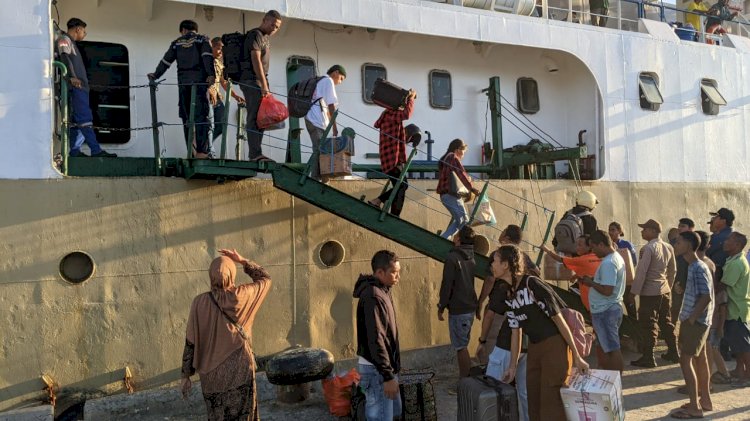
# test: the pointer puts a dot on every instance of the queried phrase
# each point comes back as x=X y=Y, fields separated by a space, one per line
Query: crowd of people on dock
x=524 y=338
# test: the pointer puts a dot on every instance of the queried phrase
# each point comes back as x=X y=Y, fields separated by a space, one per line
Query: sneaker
x=104 y=154
x=671 y=356
x=740 y=383
x=644 y=362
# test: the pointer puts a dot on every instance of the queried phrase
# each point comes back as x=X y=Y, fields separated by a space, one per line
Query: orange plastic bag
x=271 y=112
x=338 y=392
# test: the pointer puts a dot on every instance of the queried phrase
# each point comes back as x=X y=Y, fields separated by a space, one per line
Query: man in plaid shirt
x=393 y=150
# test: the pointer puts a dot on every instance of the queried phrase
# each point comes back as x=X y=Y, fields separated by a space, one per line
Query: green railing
x=64 y=132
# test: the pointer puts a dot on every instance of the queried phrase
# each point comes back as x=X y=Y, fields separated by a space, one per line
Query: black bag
x=417 y=397
x=483 y=398
x=359 y=403
x=232 y=51
x=389 y=95
x=300 y=97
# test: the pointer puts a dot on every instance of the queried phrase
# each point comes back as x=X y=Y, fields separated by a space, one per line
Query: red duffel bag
x=271 y=112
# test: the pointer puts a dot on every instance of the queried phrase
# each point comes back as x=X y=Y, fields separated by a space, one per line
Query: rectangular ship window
x=370 y=73
x=107 y=64
x=711 y=98
x=441 y=95
x=648 y=91
x=527 y=95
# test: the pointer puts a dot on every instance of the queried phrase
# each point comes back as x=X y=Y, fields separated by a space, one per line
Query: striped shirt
x=698 y=283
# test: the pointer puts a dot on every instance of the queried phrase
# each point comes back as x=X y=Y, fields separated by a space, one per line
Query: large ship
x=101 y=257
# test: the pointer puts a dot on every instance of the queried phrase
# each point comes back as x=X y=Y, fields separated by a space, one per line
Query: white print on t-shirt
x=524 y=297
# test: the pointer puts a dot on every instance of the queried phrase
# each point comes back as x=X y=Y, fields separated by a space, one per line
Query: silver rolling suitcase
x=482 y=398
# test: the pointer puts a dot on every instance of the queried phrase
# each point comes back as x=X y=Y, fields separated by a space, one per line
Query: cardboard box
x=336 y=156
x=596 y=396
x=629 y=268
x=555 y=271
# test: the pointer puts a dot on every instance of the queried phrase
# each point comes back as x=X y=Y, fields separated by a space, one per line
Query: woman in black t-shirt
x=535 y=311
x=500 y=357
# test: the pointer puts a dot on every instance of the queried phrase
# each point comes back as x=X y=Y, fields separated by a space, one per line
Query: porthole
x=370 y=73
x=77 y=267
x=441 y=90
x=648 y=91
x=527 y=95
x=331 y=253
x=711 y=98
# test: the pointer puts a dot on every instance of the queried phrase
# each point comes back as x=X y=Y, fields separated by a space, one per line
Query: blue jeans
x=83 y=119
x=459 y=217
x=607 y=327
x=379 y=407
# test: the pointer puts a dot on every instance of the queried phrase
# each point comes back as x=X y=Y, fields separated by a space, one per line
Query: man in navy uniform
x=195 y=66
x=81 y=117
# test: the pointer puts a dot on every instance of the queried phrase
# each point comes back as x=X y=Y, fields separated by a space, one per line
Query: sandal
x=683 y=414
x=719 y=378
x=687 y=406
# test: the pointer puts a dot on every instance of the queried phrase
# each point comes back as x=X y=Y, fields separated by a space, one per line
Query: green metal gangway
x=367 y=216
x=359 y=212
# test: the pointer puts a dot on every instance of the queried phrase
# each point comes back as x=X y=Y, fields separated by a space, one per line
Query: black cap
x=337 y=67
x=724 y=214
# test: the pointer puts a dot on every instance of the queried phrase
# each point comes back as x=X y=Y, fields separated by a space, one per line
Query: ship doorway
x=108 y=70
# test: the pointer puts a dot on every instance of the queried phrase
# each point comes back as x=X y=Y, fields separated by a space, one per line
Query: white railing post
x=545 y=11
x=619 y=14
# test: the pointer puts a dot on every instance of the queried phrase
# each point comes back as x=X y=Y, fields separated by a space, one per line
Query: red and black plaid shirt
x=451 y=164
x=393 y=136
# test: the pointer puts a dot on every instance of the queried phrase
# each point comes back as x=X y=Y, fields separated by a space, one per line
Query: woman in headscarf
x=218 y=341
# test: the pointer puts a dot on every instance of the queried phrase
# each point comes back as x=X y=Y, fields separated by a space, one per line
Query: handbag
x=457 y=188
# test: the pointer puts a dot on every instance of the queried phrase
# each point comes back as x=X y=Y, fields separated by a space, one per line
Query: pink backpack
x=582 y=339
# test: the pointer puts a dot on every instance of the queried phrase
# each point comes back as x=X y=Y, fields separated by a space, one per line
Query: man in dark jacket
x=81 y=116
x=458 y=295
x=195 y=66
x=377 y=337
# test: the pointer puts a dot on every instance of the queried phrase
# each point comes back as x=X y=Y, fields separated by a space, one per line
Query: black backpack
x=233 y=55
x=300 y=96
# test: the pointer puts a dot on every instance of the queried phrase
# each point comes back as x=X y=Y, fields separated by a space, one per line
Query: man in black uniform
x=254 y=80
x=81 y=115
x=195 y=66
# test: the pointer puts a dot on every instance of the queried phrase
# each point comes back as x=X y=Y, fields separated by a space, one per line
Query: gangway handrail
x=64 y=111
